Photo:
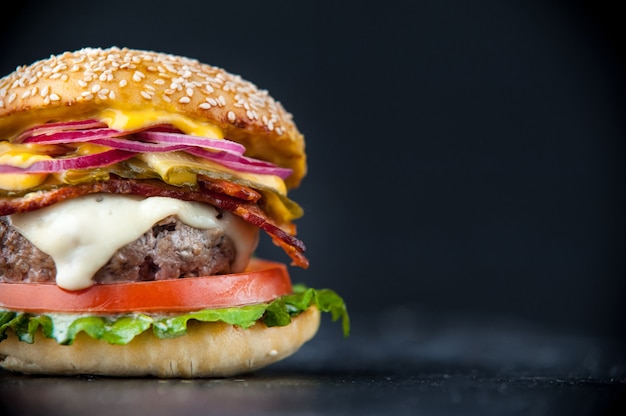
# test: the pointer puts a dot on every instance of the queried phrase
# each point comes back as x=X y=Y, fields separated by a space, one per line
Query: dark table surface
x=444 y=366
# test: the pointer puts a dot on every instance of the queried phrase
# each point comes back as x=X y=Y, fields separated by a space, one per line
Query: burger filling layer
x=108 y=237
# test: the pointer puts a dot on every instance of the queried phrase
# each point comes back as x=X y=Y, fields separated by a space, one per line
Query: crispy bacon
x=237 y=199
x=221 y=186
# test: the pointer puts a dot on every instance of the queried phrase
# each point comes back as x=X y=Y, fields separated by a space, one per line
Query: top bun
x=74 y=85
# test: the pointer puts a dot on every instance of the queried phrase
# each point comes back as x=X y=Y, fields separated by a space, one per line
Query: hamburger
x=134 y=186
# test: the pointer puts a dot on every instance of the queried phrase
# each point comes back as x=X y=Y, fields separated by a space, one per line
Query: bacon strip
x=231 y=197
x=222 y=186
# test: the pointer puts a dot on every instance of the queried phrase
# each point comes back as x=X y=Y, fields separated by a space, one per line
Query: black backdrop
x=465 y=157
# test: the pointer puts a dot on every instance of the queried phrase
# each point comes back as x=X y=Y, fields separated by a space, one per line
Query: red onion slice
x=165 y=138
x=95 y=160
x=52 y=128
x=137 y=146
x=241 y=163
x=186 y=139
x=75 y=136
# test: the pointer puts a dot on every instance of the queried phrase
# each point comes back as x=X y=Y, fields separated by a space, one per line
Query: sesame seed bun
x=74 y=85
x=207 y=350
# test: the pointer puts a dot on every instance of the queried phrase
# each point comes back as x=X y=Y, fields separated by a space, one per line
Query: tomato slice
x=262 y=281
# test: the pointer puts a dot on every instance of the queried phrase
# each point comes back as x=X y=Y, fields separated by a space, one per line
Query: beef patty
x=170 y=250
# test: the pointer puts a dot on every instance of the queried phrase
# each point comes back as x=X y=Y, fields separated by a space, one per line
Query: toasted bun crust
x=207 y=350
x=75 y=84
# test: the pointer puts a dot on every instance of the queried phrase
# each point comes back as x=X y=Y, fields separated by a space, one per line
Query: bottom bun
x=207 y=350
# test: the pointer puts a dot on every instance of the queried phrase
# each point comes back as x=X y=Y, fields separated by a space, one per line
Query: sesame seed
x=54 y=97
x=59 y=67
x=146 y=95
x=95 y=88
x=159 y=82
x=166 y=98
x=45 y=91
x=231 y=117
x=205 y=106
x=122 y=83
x=138 y=76
x=184 y=100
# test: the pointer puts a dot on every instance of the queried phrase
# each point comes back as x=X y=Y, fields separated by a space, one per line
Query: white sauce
x=82 y=234
x=61 y=325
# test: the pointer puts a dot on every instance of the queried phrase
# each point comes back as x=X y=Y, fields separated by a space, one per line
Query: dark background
x=466 y=158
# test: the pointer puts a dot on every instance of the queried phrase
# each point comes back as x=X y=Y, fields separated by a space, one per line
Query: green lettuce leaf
x=121 y=329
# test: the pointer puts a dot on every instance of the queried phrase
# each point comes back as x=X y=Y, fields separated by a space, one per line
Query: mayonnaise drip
x=82 y=234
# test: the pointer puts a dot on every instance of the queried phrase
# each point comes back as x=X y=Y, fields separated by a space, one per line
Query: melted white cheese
x=82 y=234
